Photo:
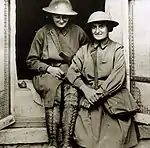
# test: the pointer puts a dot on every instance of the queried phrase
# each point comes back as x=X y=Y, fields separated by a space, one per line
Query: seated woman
x=50 y=55
x=106 y=106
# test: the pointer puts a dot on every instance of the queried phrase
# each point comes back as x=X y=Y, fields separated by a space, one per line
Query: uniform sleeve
x=117 y=77
x=75 y=70
x=33 y=60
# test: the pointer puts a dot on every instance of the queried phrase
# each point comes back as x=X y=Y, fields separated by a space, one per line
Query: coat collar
x=63 y=31
x=103 y=44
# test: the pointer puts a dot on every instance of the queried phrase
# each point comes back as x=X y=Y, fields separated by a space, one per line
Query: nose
x=97 y=29
x=61 y=19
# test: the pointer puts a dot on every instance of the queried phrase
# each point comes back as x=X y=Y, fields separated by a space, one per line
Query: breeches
x=53 y=91
x=67 y=95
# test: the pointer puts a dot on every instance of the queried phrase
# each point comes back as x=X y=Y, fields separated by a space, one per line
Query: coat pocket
x=122 y=103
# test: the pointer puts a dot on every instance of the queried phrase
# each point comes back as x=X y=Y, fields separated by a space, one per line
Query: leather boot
x=68 y=122
x=52 y=122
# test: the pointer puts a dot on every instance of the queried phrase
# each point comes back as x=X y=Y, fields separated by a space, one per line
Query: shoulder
x=43 y=30
x=116 y=45
x=76 y=28
x=85 y=47
x=82 y=50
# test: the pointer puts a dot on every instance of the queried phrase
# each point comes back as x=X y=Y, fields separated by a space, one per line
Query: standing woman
x=50 y=55
x=106 y=106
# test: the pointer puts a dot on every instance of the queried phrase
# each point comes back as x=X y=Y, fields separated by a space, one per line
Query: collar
x=103 y=44
x=63 y=31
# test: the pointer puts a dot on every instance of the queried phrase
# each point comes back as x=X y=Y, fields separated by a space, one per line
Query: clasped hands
x=56 y=72
x=92 y=96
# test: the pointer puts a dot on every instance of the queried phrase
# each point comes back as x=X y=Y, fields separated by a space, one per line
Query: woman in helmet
x=50 y=55
x=106 y=106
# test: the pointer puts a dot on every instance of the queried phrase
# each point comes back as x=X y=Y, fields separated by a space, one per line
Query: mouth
x=98 y=34
x=61 y=24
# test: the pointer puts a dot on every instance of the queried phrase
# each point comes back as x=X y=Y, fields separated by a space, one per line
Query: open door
x=30 y=18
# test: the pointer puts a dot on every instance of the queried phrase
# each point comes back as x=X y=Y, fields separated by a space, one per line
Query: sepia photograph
x=74 y=74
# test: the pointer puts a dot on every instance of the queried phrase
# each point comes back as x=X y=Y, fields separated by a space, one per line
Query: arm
x=117 y=77
x=74 y=71
x=74 y=76
x=34 y=57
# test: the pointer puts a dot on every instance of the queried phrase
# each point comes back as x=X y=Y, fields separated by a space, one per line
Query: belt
x=55 y=63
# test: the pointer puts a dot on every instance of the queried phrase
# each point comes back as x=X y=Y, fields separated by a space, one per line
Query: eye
x=65 y=17
x=102 y=26
x=93 y=26
x=56 y=16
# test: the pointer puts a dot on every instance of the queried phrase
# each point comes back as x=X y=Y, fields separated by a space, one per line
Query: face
x=99 y=31
x=60 y=20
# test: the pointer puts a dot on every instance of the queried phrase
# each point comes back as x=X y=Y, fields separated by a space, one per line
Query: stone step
x=23 y=135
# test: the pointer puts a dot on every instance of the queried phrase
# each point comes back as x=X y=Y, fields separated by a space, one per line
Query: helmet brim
x=109 y=22
x=46 y=9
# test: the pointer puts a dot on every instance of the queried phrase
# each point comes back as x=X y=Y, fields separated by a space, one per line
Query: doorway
x=30 y=17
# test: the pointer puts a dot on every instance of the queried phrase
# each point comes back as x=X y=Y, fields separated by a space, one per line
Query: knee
x=71 y=97
x=71 y=100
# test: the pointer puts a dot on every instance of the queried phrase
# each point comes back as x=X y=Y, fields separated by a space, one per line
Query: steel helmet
x=62 y=7
x=100 y=16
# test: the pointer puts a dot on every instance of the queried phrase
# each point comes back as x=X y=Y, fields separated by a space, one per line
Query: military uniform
x=55 y=47
x=96 y=127
x=44 y=52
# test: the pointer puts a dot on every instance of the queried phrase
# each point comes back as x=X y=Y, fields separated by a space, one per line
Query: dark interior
x=30 y=18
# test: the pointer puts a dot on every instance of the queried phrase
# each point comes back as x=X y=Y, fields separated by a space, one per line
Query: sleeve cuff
x=43 y=68
x=78 y=82
x=103 y=92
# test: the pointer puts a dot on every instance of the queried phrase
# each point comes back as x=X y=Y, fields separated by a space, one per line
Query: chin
x=61 y=26
x=99 y=38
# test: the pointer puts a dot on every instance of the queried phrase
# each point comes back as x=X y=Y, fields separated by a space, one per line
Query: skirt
x=97 y=129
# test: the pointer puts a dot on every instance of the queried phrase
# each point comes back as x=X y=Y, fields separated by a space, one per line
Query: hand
x=85 y=104
x=90 y=94
x=56 y=72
